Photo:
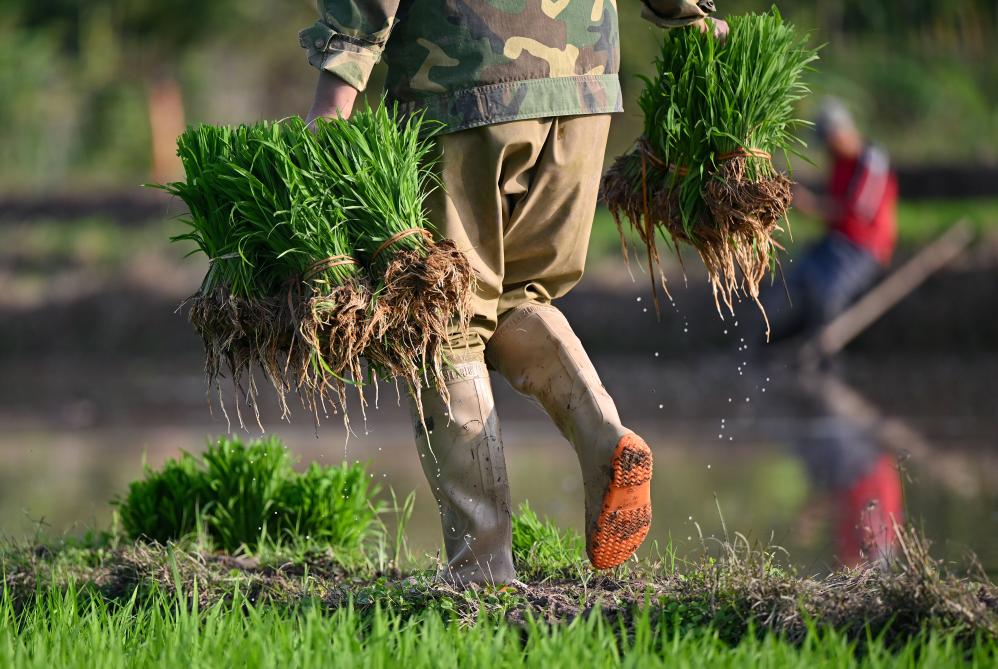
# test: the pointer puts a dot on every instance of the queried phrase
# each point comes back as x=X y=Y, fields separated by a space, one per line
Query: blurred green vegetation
x=80 y=79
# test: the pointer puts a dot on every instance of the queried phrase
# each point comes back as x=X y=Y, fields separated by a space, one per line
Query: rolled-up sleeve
x=349 y=37
x=676 y=13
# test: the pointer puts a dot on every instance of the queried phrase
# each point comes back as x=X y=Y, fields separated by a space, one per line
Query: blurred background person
x=858 y=207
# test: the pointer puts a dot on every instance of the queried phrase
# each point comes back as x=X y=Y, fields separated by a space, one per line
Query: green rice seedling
x=541 y=548
x=379 y=167
x=328 y=297
x=247 y=496
x=702 y=173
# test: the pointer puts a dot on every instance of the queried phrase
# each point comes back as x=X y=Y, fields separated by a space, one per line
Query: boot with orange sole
x=535 y=349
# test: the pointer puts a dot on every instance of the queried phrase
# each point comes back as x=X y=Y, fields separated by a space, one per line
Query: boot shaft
x=460 y=450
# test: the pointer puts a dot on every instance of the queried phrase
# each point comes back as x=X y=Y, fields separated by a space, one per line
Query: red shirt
x=865 y=193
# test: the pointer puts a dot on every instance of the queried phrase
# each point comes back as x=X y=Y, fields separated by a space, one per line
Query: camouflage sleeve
x=349 y=37
x=676 y=13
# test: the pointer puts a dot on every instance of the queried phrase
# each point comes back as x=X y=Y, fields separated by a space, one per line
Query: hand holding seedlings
x=719 y=27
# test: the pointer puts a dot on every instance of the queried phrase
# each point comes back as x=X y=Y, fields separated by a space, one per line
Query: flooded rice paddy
x=775 y=449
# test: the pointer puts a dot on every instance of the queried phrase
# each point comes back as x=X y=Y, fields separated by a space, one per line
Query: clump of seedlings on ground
x=320 y=253
x=702 y=174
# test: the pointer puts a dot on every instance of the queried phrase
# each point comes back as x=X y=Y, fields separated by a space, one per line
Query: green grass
x=338 y=592
x=541 y=548
x=70 y=629
x=298 y=545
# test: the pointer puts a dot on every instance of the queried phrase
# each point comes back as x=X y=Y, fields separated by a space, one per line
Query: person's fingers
x=720 y=29
x=328 y=113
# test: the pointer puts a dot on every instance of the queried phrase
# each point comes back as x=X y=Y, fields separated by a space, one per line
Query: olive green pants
x=518 y=199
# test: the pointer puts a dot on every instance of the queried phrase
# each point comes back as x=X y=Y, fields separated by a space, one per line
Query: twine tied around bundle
x=399 y=236
x=648 y=153
x=320 y=266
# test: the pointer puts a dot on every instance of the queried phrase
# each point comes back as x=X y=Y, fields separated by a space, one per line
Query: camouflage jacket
x=478 y=62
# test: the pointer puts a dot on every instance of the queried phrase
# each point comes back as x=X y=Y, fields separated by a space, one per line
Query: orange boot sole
x=626 y=514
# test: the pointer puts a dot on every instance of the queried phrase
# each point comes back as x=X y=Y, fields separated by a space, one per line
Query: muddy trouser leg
x=518 y=200
x=548 y=181
x=482 y=169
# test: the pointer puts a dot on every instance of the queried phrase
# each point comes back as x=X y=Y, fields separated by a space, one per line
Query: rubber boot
x=535 y=349
x=461 y=454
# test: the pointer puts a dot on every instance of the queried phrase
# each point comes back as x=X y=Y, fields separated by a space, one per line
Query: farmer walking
x=524 y=97
x=859 y=209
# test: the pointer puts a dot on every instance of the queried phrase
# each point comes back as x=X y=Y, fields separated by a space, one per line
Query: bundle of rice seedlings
x=381 y=172
x=298 y=224
x=282 y=292
x=702 y=173
x=237 y=310
x=328 y=299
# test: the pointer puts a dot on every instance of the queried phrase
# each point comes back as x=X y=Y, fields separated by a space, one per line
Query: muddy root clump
x=746 y=213
x=332 y=332
x=733 y=232
x=241 y=334
x=423 y=297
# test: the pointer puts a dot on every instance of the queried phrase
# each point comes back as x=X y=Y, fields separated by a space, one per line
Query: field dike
x=734 y=589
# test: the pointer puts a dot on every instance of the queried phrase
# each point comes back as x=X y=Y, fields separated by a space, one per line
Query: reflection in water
x=852 y=474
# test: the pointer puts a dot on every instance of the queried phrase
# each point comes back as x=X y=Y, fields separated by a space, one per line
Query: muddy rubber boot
x=535 y=349
x=464 y=464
